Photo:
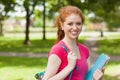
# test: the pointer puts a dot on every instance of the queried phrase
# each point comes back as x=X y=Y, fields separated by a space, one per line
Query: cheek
x=66 y=27
x=81 y=27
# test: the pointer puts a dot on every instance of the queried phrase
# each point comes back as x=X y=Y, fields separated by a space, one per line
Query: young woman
x=60 y=64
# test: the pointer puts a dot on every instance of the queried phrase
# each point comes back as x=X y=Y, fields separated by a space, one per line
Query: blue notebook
x=99 y=64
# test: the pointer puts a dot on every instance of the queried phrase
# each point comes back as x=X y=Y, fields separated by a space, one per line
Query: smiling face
x=69 y=22
x=72 y=26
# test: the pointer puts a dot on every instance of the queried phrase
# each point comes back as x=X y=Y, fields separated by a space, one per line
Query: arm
x=53 y=66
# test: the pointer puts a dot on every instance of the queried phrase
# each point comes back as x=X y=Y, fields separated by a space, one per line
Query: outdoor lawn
x=12 y=44
x=109 y=46
x=16 y=45
x=16 y=68
x=21 y=68
x=25 y=23
x=113 y=69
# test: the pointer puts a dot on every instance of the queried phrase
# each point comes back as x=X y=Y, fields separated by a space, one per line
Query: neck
x=69 y=42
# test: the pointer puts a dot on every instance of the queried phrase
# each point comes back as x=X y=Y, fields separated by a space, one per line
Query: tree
x=6 y=6
x=51 y=7
x=54 y=6
x=104 y=11
x=44 y=15
x=29 y=6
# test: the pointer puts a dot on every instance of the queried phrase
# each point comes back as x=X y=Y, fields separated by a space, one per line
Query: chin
x=74 y=37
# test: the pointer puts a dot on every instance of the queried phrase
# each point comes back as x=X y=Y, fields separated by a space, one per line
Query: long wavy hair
x=62 y=14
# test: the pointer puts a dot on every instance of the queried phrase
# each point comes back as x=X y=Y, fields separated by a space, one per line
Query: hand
x=98 y=74
x=72 y=57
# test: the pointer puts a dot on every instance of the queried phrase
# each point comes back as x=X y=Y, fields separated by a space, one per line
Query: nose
x=75 y=27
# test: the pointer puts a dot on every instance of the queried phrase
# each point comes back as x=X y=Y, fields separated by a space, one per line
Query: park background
x=27 y=33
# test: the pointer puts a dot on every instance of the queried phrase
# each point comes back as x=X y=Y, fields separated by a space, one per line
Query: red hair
x=63 y=13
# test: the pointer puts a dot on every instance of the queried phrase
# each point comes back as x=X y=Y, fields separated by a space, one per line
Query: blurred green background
x=27 y=29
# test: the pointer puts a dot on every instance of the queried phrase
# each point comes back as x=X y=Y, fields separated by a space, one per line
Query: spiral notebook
x=101 y=61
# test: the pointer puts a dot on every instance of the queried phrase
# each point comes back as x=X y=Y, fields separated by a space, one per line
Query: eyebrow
x=73 y=21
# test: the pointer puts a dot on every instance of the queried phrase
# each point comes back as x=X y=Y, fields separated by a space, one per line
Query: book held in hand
x=101 y=61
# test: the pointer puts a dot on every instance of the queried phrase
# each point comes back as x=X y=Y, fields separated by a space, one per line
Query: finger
x=70 y=52
x=97 y=74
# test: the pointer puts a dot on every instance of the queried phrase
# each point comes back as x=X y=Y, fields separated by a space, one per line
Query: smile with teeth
x=74 y=32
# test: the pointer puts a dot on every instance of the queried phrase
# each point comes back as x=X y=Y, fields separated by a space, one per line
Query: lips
x=74 y=32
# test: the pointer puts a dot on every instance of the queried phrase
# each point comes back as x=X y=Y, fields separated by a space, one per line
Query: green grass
x=107 y=77
x=11 y=44
x=109 y=46
x=112 y=71
x=16 y=45
x=21 y=68
x=17 y=68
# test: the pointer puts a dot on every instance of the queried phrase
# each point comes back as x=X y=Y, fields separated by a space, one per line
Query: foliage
x=37 y=23
x=53 y=7
x=5 y=6
x=100 y=10
x=29 y=6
